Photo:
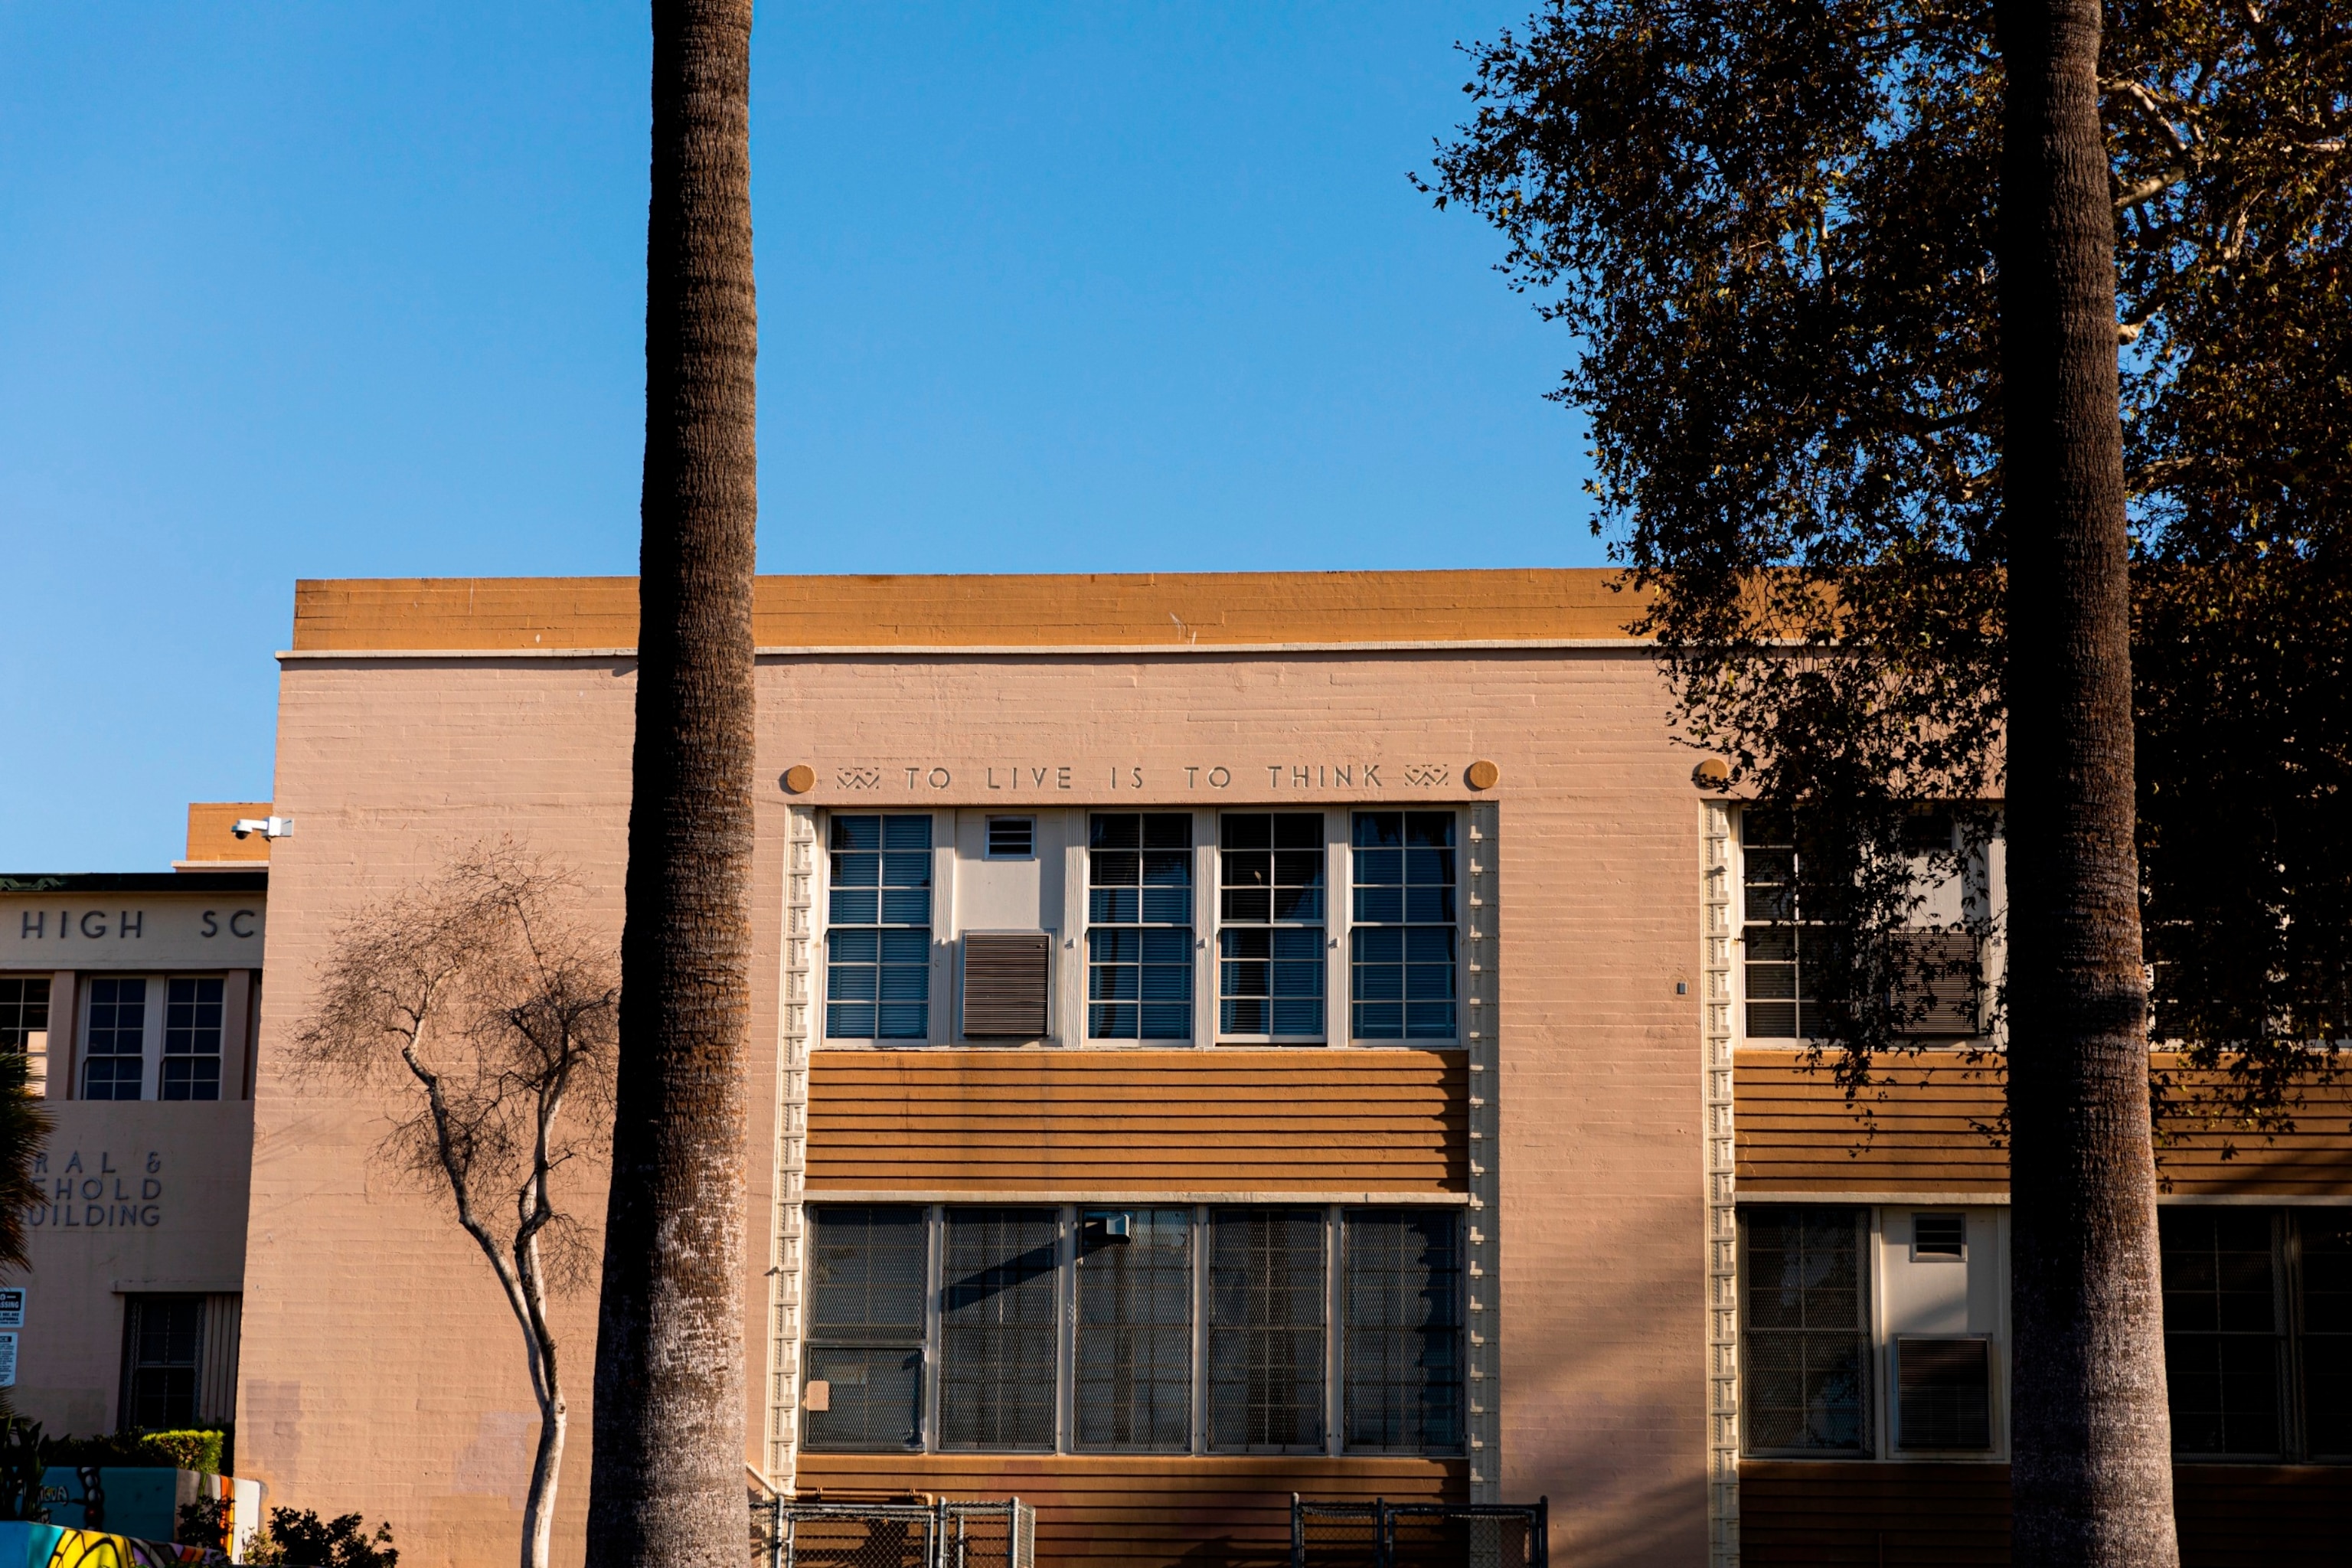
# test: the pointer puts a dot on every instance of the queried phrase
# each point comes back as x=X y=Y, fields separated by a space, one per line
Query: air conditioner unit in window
x=1944 y=1395
x=1007 y=976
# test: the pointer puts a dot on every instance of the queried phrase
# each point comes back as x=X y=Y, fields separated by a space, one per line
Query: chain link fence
x=1382 y=1535
x=900 y=1533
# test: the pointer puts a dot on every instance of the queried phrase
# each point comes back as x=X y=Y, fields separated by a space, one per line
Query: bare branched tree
x=488 y=1011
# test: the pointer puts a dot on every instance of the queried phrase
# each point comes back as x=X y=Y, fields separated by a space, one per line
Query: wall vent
x=1006 y=976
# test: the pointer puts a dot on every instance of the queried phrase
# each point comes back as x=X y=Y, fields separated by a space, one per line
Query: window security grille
x=1403 y=1361
x=162 y=1359
x=1939 y=1236
x=2223 y=1334
x=1135 y=1331
x=1805 y=1340
x=114 y=1047
x=1266 y=1331
x=1270 y=964
x=1012 y=837
x=1139 y=926
x=997 y=1329
x=191 y=1039
x=1943 y=1393
x=878 y=946
x=1402 y=957
x=1007 y=977
x=868 y=1287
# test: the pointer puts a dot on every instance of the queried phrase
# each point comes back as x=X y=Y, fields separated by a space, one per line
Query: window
x=1780 y=1001
x=1804 y=1341
x=114 y=1045
x=997 y=1329
x=1270 y=925
x=25 y=1023
x=867 y=1286
x=1139 y=926
x=878 y=943
x=162 y=1359
x=2325 y=1264
x=1134 y=1330
x=1402 y=945
x=191 y=1039
x=1266 y=1330
x=1012 y=837
x=1402 y=1295
x=2223 y=1338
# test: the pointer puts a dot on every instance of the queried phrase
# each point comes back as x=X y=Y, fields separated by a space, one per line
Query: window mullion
x=1199 y=1329
x=935 y=1285
x=1334 y=1303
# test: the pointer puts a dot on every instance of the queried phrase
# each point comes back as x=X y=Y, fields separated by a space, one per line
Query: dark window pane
x=996 y=1328
x=1139 y=926
x=1404 y=901
x=1266 y=1330
x=1943 y=1393
x=2222 y=1344
x=867 y=1273
x=1404 y=1346
x=1804 y=1346
x=114 y=1053
x=163 y=1355
x=1134 y=1369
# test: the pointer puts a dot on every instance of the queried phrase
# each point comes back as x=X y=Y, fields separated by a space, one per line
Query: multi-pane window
x=2224 y=1330
x=1134 y=1351
x=114 y=1045
x=1266 y=1330
x=191 y=1039
x=163 y=1361
x=2324 y=1262
x=1402 y=945
x=1804 y=1339
x=1780 y=1002
x=879 y=940
x=867 y=1285
x=997 y=1329
x=25 y=1021
x=1402 y=1286
x=1139 y=926
x=1270 y=925
x=1172 y=1312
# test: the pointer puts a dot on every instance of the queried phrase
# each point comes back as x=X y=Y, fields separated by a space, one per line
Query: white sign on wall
x=12 y=1307
x=7 y=1360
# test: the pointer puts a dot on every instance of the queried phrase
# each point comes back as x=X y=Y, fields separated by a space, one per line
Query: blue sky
x=304 y=290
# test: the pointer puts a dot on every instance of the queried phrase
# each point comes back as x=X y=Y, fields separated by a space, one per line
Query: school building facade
x=1220 y=1036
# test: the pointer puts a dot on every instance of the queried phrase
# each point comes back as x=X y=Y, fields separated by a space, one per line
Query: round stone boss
x=1482 y=774
x=800 y=778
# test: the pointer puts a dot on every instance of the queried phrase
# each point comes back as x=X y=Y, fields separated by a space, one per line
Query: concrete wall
x=372 y=1329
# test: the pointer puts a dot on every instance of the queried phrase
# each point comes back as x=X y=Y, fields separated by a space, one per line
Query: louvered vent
x=1005 y=978
x=1945 y=1388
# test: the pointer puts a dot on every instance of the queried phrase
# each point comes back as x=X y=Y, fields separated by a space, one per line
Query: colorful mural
x=56 y=1546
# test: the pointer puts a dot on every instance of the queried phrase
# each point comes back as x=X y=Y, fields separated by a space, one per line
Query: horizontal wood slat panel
x=1237 y=1120
x=1957 y=1516
x=1146 y=1509
x=1796 y=1133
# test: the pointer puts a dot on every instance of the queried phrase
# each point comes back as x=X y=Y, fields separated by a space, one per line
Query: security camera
x=267 y=827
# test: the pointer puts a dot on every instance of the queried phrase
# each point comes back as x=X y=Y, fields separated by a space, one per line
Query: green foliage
x=293 y=1540
x=24 y=1457
x=204 y=1522
x=187 y=1450
x=24 y=1134
x=1773 y=230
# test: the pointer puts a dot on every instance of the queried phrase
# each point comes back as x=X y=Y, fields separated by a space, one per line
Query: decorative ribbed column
x=786 y=1254
x=1722 y=1197
x=1479 y=1031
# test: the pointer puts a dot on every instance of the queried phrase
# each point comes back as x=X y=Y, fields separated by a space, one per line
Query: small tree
x=489 y=1012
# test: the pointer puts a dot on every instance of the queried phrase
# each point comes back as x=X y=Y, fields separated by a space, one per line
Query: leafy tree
x=295 y=1540
x=1902 y=323
x=667 y=1487
x=488 y=1014
x=24 y=1134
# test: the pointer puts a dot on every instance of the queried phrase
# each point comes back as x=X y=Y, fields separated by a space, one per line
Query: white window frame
x=1341 y=950
x=939 y=1029
x=1335 y=863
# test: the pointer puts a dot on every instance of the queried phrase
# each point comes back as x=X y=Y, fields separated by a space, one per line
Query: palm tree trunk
x=2092 y=1475
x=666 y=1485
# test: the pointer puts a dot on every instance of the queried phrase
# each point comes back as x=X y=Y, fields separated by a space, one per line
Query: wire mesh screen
x=903 y=1534
x=1381 y=1534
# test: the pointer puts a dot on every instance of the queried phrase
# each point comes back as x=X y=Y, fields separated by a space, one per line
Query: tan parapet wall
x=1173 y=609
x=372 y=1329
